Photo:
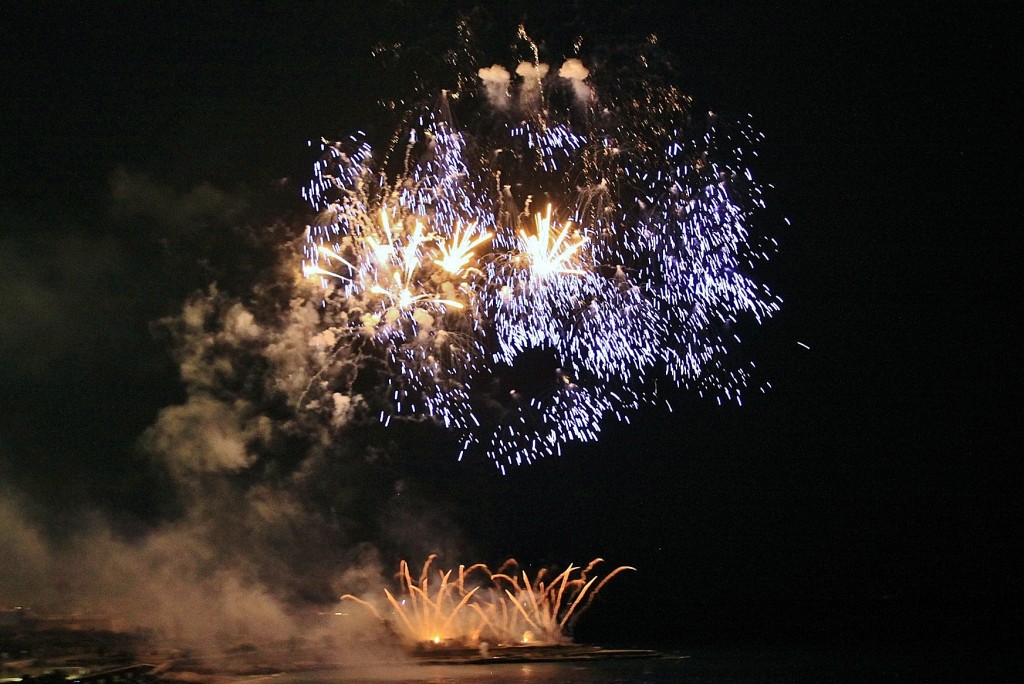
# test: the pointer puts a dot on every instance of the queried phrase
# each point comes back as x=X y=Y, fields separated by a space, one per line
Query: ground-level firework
x=473 y=606
x=534 y=250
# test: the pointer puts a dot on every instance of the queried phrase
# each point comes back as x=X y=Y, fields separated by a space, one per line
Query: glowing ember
x=457 y=252
x=550 y=254
x=500 y=608
x=638 y=267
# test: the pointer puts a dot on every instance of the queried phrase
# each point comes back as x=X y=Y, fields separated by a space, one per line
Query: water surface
x=724 y=667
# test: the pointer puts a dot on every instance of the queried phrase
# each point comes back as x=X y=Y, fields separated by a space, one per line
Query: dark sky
x=876 y=482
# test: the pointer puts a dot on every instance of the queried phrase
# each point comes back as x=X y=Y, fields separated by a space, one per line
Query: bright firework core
x=636 y=265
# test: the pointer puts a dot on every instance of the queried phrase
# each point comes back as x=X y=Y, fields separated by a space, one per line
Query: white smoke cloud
x=496 y=80
x=577 y=74
x=298 y=350
x=24 y=555
x=178 y=586
x=169 y=583
x=241 y=324
x=530 y=89
x=343 y=410
x=205 y=435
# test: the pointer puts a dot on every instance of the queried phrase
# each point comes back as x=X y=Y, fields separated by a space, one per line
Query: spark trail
x=522 y=329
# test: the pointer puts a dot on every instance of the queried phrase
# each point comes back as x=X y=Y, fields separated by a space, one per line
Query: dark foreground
x=706 y=668
x=568 y=665
x=59 y=657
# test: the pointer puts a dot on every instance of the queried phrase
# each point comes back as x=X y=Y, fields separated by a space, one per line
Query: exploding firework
x=553 y=242
x=476 y=605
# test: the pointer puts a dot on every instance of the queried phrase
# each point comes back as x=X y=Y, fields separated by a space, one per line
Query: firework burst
x=474 y=605
x=638 y=266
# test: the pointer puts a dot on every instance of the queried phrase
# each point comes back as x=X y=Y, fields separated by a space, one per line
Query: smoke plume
x=254 y=497
x=530 y=89
x=574 y=72
x=496 y=81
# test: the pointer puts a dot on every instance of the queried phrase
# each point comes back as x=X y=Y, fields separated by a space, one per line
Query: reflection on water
x=734 y=667
x=654 y=672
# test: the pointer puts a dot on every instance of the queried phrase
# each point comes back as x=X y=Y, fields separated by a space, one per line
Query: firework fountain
x=476 y=605
x=552 y=241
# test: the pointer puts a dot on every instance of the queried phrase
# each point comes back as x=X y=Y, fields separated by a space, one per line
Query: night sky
x=870 y=497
